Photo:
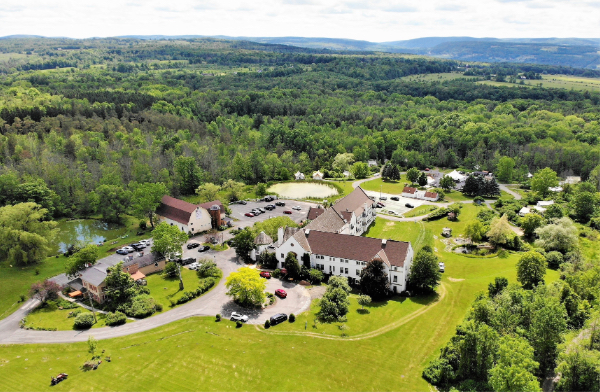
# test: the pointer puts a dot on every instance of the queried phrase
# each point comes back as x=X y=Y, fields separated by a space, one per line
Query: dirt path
x=396 y=324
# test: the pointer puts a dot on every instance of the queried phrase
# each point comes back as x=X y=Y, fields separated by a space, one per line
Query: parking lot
x=238 y=211
x=398 y=207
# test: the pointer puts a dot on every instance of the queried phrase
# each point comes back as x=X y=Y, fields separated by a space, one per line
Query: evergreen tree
x=374 y=280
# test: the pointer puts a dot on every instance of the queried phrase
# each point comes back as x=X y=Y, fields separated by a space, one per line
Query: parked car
x=442 y=266
x=383 y=198
x=265 y=274
x=380 y=205
x=269 y=198
x=262 y=211
x=278 y=318
x=270 y=207
x=395 y=198
x=146 y=242
x=122 y=251
x=280 y=293
x=129 y=249
x=287 y=212
x=408 y=205
x=242 y=202
x=249 y=214
x=256 y=212
x=235 y=316
x=280 y=204
x=194 y=266
x=188 y=261
x=193 y=245
x=297 y=208
x=203 y=248
x=138 y=246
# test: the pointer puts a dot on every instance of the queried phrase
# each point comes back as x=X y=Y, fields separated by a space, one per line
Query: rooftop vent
x=383 y=242
x=306 y=231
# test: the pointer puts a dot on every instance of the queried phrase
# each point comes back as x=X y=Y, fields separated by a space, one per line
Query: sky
x=372 y=20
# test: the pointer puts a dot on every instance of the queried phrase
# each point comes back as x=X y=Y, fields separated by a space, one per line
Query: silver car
x=235 y=316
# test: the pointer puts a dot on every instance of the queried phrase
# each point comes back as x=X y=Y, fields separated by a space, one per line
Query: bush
x=171 y=270
x=141 y=306
x=276 y=274
x=292 y=318
x=74 y=313
x=267 y=324
x=84 y=321
x=116 y=318
x=554 y=259
x=218 y=317
x=316 y=276
x=143 y=224
x=159 y=307
x=238 y=324
x=438 y=214
x=22 y=298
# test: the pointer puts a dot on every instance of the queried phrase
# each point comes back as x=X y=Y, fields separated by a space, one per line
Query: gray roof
x=263 y=239
x=142 y=261
x=94 y=275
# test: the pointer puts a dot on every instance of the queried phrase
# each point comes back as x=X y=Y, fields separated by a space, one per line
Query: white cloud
x=375 y=20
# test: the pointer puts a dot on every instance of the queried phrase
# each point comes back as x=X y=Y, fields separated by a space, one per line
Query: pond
x=86 y=231
x=301 y=190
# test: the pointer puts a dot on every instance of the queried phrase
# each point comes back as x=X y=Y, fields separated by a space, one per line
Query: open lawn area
x=554 y=81
x=454 y=196
x=420 y=210
x=163 y=289
x=54 y=318
x=16 y=281
x=393 y=187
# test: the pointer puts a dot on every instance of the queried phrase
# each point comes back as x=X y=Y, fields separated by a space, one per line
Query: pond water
x=300 y=190
x=86 y=231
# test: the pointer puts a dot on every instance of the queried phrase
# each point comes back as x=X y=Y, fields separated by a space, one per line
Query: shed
x=447 y=232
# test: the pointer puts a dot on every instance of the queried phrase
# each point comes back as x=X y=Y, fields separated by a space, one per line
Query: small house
x=447 y=232
x=318 y=175
x=524 y=211
x=346 y=173
x=299 y=176
x=372 y=162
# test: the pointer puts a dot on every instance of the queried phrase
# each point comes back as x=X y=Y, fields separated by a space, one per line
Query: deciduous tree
x=531 y=269
x=425 y=272
x=86 y=256
x=146 y=198
x=514 y=369
x=246 y=286
x=542 y=180
x=374 y=280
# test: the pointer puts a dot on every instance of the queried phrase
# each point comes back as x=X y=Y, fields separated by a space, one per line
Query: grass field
x=16 y=281
x=555 y=81
x=163 y=289
x=435 y=77
x=393 y=187
x=49 y=318
x=454 y=196
x=420 y=210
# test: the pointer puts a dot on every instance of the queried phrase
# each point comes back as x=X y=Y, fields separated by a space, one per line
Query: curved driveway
x=211 y=303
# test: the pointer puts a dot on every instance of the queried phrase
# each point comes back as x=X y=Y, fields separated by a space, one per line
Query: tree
x=335 y=302
x=500 y=232
x=235 y=190
x=171 y=270
x=364 y=300
x=114 y=202
x=342 y=162
x=579 y=369
x=475 y=230
x=531 y=269
x=413 y=174
x=45 y=291
x=542 y=180
x=360 y=170
x=447 y=183
x=81 y=259
x=188 y=174
x=26 y=237
x=146 y=198
x=120 y=288
x=374 y=280
x=208 y=191
x=425 y=272
x=92 y=345
x=560 y=235
x=473 y=186
x=260 y=189
x=548 y=323
x=246 y=286
x=553 y=211
x=315 y=276
x=500 y=283
x=385 y=172
x=530 y=222
x=339 y=282
x=505 y=169
x=243 y=242
x=168 y=241
x=490 y=188
x=584 y=204
x=422 y=180
x=514 y=369
x=395 y=173
x=291 y=265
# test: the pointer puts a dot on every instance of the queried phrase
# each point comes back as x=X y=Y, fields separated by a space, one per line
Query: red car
x=249 y=214
x=287 y=212
x=280 y=293
x=265 y=274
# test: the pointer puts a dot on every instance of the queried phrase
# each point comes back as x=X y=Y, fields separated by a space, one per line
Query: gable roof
x=410 y=190
x=357 y=248
x=94 y=275
x=263 y=239
x=353 y=201
x=142 y=261
x=175 y=209
x=329 y=221
x=209 y=204
x=431 y=194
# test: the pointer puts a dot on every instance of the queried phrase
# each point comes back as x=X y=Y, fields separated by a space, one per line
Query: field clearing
x=436 y=77
x=554 y=81
x=392 y=187
x=420 y=210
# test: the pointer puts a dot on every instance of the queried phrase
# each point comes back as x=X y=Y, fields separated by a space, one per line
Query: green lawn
x=49 y=318
x=454 y=196
x=164 y=289
x=420 y=210
x=16 y=281
x=393 y=187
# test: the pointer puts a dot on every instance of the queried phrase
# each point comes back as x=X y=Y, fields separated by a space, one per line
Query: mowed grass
x=393 y=187
x=164 y=289
x=59 y=319
x=16 y=280
x=554 y=81
x=420 y=210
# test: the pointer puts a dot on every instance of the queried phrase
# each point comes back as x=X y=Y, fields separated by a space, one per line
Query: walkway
x=211 y=303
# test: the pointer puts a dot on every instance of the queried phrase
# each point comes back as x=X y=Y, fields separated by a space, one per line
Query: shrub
x=171 y=270
x=238 y=324
x=267 y=324
x=141 y=306
x=316 y=276
x=84 y=321
x=292 y=318
x=554 y=259
x=74 y=313
x=116 y=318
x=218 y=317
x=143 y=224
x=159 y=307
x=89 y=365
x=276 y=273
x=22 y=298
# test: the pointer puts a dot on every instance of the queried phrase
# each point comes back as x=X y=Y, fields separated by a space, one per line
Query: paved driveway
x=238 y=211
x=211 y=303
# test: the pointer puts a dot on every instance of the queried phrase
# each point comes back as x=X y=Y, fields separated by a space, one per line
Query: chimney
x=279 y=236
x=383 y=243
x=306 y=232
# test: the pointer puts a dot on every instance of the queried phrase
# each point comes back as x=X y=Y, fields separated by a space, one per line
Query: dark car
x=280 y=204
x=380 y=205
x=249 y=214
x=193 y=245
x=203 y=248
x=188 y=261
x=242 y=202
x=270 y=207
x=287 y=212
x=269 y=198
x=138 y=246
x=278 y=318
x=395 y=198
x=408 y=205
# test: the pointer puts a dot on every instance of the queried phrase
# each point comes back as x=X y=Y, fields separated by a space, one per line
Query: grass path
x=367 y=335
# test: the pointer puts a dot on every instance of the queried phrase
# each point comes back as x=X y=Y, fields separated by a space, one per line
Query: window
x=282 y=256
x=395 y=279
x=357 y=272
x=346 y=270
x=332 y=259
x=333 y=268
